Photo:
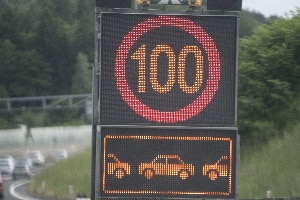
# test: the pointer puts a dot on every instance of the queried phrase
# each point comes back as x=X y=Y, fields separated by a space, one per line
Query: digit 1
x=140 y=55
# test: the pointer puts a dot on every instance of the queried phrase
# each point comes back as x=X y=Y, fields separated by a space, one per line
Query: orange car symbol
x=117 y=168
x=166 y=165
x=220 y=168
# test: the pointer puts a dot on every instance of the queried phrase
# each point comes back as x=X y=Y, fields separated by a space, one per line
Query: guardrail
x=45 y=102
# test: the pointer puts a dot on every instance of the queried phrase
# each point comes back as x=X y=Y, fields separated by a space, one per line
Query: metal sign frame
x=97 y=127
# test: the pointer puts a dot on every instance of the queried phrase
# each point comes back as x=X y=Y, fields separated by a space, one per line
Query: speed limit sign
x=165 y=105
x=168 y=69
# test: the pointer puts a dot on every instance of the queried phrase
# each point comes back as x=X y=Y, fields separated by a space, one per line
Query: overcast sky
x=271 y=7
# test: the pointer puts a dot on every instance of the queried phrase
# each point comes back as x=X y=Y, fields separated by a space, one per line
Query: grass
x=65 y=179
x=274 y=166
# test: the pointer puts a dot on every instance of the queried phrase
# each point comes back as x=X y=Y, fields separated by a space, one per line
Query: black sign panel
x=167 y=163
x=168 y=69
x=113 y=3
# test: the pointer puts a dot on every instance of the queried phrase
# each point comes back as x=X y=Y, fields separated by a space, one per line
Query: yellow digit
x=182 y=68
x=140 y=55
x=154 y=68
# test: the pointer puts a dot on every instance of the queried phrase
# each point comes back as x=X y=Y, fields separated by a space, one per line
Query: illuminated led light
x=182 y=67
x=140 y=56
x=213 y=74
x=169 y=165
x=154 y=68
x=116 y=167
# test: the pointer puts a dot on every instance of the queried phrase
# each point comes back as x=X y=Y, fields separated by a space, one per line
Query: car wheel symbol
x=184 y=174
x=148 y=173
x=213 y=175
x=120 y=173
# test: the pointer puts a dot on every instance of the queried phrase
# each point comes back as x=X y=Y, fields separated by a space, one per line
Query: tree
x=84 y=40
x=55 y=37
x=269 y=78
x=8 y=65
x=250 y=20
x=33 y=75
x=82 y=79
x=9 y=21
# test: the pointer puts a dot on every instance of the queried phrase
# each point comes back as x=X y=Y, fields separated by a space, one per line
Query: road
x=45 y=139
x=16 y=189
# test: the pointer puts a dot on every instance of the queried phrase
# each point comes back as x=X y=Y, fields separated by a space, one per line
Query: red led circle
x=212 y=83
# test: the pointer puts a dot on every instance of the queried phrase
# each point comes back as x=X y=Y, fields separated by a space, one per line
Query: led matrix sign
x=149 y=162
x=168 y=69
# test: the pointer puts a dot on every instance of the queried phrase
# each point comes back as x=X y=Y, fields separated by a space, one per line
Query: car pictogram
x=166 y=165
x=116 y=167
x=220 y=168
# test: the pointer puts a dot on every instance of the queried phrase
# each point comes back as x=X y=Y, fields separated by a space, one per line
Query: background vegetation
x=67 y=173
x=273 y=166
x=269 y=80
x=47 y=47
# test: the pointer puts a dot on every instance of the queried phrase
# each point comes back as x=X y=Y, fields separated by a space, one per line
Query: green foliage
x=269 y=79
x=273 y=166
x=43 y=118
x=7 y=121
x=64 y=117
x=250 y=20
x=74 y=172
x=39 y=44
x=30 y=65
x=8 y=65
x=81 y=82
x=46 y=48
x=31 y=119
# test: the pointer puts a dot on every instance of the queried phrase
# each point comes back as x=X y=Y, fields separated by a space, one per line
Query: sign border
x=201 y=101
x=213 y=134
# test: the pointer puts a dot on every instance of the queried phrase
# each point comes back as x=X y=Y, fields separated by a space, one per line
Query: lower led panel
x=168 y=163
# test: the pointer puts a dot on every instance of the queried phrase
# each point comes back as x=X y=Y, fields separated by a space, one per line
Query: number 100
x=140 y=55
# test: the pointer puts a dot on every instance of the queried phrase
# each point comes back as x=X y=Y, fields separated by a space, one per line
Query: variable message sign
x=168 y=69
x=164 y=162
x=165 y=104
